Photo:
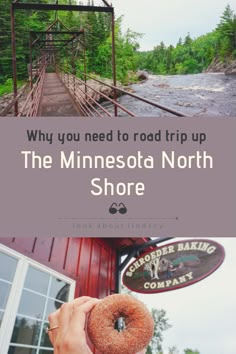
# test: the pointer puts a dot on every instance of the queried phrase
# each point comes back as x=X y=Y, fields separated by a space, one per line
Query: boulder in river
x=96 y=90
x=142 y=75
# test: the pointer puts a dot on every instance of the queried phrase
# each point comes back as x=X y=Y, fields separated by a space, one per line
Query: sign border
x=183 y=285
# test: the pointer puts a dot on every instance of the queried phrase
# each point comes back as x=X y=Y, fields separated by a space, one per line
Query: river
x=208 y=94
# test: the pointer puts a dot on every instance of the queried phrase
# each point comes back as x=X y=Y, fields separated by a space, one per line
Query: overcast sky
x=168 y=20
x=203 y=314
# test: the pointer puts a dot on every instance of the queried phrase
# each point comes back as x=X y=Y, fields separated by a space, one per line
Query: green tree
x=227 y=31
x=173 y=350
x=24 y=22
x=5 y=41
x=190 y=351
x=161 y=324
x=126 y=60
x=188 y=40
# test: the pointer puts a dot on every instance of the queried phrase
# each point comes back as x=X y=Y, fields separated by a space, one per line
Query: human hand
x=69 y=336
x=67 y=324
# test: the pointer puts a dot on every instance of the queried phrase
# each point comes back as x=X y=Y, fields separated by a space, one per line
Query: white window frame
x=13 y=301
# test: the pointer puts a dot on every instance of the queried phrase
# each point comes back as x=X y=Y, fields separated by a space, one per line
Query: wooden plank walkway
x=56 y=101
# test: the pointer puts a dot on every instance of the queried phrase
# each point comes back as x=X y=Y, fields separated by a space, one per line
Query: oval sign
x=173 y=266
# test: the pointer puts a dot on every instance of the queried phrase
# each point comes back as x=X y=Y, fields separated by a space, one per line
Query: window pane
x=45 y=341
x=26 y=331
x=31 y=304
x=7 y=267
x=46 y=351
x=52 y=306
x=1 y=317
x=59 y=290
x=4 y=292
x=37 y=280
x=15 y=350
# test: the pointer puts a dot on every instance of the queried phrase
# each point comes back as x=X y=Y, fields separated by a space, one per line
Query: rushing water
x=194 y=95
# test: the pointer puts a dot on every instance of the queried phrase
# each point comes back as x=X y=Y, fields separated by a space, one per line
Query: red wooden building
x=38 y=274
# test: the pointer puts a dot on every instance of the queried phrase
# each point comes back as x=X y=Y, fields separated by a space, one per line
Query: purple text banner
x=118 y=177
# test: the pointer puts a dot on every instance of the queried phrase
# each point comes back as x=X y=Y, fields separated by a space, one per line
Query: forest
x=191 y=56
x=188 y=56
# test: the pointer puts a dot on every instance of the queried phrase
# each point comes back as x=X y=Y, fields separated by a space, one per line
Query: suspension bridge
x=56 y=90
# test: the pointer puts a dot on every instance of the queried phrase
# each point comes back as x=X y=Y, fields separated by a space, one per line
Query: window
x=7 y=270
x=29 y=291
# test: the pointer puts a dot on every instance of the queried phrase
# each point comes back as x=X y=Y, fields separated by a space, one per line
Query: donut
x=138 y=331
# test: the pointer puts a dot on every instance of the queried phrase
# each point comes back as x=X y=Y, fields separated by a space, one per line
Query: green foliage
x=126 y=48
x=24 y=22
x=161 y=324
x=5 y=42
x=227 y=32
x=6 y=87
x=98 y=42
x=173 y=350
x=190 y=351
x=192 y=56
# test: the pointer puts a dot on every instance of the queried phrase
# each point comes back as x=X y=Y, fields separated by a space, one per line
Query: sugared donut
x=138 y=330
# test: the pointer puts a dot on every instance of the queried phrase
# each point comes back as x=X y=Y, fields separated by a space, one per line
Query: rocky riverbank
x=226 y=67
x=97 y=90
x=6 y=99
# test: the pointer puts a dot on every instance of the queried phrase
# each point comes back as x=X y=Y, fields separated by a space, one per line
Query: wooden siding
x=91 y=262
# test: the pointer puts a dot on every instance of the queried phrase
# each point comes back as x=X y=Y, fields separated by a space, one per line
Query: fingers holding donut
x=80 y=312
x=67 y=326
x=53 y=319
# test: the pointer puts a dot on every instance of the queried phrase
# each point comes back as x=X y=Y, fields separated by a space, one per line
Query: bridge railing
x=86 y=95
x=30 y=96
x=31 y=105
